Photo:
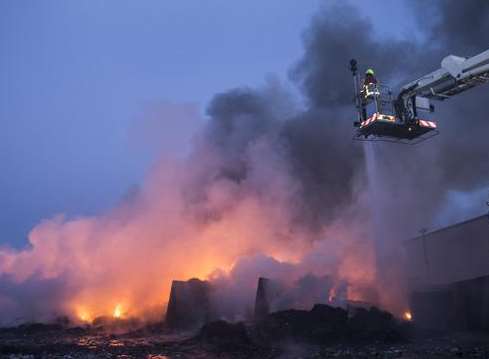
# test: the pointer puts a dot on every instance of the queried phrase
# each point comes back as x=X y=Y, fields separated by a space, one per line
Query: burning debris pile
x=190 y=329
x=193 y=305
x=323 y=331
x=322 y=324
x=192 y=309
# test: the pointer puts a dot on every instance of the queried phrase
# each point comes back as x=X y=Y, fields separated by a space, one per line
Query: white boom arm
x=456 y=75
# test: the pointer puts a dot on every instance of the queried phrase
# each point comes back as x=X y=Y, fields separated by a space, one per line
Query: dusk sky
x=86 y=84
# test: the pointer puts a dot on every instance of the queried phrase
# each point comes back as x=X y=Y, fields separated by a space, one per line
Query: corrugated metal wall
x=448 y=274
x=452 y=254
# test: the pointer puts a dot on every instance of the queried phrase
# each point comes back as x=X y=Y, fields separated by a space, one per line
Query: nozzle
x=353 y=66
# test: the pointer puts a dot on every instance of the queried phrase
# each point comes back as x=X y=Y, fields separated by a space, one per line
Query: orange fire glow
x=83 y=315
x=117 y=312
x=407 y=316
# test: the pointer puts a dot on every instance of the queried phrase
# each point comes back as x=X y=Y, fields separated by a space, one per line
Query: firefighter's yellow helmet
x=370 y=72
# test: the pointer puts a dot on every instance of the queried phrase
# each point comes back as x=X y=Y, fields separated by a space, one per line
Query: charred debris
x=192 y=328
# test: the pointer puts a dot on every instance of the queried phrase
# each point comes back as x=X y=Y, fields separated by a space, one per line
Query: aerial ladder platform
x=406 y=118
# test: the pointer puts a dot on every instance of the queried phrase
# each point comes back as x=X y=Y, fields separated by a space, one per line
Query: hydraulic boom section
x=382 y=118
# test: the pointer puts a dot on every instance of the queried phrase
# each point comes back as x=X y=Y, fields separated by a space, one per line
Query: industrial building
x=448 y=276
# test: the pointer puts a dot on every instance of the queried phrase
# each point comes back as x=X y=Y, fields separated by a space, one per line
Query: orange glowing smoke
x=136 y=250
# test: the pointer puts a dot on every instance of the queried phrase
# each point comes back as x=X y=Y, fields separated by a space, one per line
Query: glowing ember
x=84 y=317
x=407 y=316
x=117 y=311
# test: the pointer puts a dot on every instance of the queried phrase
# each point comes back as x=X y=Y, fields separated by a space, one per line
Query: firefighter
x=369 y=78
x=370 y=85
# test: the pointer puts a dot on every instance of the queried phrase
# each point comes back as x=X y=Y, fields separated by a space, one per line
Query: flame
x=83 y=315
x=407 y=316
x=117 y=312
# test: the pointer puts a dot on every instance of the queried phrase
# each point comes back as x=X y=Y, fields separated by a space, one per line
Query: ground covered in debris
x=323 y=332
